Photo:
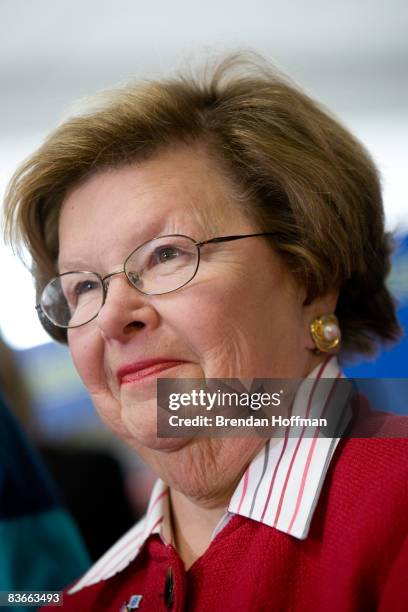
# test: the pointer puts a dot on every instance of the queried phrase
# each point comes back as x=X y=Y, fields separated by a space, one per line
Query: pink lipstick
x=142 y=369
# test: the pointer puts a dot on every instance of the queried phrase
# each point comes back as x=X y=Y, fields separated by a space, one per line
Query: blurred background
x=352 y=56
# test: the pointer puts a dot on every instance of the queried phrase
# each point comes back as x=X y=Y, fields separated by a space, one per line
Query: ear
x=322 y=305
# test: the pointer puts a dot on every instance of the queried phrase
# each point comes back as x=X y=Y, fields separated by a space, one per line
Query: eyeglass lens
x=158 y=266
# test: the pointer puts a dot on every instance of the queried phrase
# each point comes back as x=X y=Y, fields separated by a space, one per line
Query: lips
x=141 y=369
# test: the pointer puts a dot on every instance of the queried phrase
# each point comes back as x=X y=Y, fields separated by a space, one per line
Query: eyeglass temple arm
x=230 y=238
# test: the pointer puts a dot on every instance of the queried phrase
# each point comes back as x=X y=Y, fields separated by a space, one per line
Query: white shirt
x=280 y=487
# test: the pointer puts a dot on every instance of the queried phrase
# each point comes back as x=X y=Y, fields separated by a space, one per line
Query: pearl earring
x=325 y=331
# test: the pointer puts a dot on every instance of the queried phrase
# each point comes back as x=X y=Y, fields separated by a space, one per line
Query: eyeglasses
x=158 y=266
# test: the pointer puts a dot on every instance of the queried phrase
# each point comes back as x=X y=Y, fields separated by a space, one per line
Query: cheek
x=217 y=324
x=236 y=332
x=87 y=353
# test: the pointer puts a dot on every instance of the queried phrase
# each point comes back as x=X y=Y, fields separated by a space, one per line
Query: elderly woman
x=223 y=226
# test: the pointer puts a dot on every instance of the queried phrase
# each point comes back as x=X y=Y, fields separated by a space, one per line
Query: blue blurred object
x=393 y=362
x=41 y=548
x=61 y=406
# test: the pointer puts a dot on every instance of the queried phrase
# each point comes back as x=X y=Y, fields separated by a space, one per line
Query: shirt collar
x=280 y=487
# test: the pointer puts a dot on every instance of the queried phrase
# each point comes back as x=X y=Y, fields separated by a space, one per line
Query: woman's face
x=241 y=316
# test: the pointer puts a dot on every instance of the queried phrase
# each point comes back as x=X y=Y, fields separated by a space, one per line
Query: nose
x=126 y=310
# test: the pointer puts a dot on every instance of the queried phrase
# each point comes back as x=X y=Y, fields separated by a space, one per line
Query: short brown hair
x=294 y=167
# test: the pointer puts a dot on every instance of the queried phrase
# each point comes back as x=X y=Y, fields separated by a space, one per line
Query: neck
x=201 y=488
x=193 y=524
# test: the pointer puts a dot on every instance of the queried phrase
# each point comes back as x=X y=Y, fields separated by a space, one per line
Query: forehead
x=179 y=191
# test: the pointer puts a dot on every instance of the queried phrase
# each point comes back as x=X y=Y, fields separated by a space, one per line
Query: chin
x=140 y=422
x=152 y=442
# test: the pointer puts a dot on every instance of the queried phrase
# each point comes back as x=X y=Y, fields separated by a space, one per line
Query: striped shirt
x=280 y=487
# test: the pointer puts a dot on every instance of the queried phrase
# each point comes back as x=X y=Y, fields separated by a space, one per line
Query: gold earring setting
x=325 y=331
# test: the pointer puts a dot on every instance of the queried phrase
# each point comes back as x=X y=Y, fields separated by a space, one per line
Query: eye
x=76 y=294
x=165 y=253
x=84 y=287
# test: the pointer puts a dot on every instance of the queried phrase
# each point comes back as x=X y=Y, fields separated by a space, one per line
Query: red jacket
x=355 y=557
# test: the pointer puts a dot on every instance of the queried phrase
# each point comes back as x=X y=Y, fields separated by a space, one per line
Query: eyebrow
x=72 y=266
x=151 y=230
x=154 y=230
